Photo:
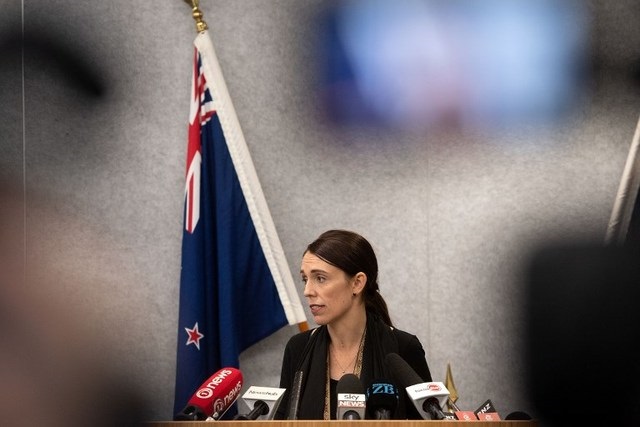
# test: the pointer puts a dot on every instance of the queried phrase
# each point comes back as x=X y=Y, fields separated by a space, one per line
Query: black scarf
x=379 y=341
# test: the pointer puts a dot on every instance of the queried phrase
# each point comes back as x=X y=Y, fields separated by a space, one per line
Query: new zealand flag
x=235 y=286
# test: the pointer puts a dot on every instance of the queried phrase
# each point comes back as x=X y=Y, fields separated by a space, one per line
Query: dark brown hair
x=352 y=253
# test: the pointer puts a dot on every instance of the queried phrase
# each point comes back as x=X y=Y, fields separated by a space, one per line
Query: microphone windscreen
x=382 y=395
x=349 y=383
x=351 y=399
x=294 y=399
x=401 y=372
x=214 y=397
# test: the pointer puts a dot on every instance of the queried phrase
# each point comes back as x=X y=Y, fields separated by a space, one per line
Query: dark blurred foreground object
x=583 y=312
x=457 y=63
x=54 y=54
x=56 y=368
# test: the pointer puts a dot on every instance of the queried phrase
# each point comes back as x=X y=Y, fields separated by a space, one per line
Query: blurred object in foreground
x=419 y=64
x=583 y=328
x=56 y=367
x=624 y=224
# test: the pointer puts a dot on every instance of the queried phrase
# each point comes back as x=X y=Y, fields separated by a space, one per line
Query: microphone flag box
x=269 y=395
x=423 y=391
x=465 y=416
x=488 y=416
x=487 y=412
x=351 y=400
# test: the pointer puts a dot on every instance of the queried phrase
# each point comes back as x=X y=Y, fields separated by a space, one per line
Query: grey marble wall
x=451 y=213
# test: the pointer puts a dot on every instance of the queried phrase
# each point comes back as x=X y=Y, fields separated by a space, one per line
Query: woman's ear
x=359 y=282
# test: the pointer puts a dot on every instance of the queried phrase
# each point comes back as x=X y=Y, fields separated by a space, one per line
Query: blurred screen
x=417 y=64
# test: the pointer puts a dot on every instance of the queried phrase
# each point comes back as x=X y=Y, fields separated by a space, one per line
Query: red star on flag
x=194 y=336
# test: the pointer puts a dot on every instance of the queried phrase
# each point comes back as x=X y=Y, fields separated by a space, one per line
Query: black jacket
x=307 y=351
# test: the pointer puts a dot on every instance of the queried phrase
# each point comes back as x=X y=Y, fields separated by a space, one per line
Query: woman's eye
x=320 y=279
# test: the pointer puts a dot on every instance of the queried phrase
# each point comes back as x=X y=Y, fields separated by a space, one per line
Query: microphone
x=214 y=397
x=382 y=400
x=351 y=398
x=294 y=400
x=265 y=402
x=259 y=408
x=428 y=397
x=518 y=415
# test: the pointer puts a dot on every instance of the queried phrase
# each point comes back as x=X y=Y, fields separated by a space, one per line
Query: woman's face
x=328 y=289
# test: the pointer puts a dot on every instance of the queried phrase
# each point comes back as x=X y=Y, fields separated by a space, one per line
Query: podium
x=345 y=423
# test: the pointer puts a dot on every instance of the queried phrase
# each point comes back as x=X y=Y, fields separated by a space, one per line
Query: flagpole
x=626 y=196
x=197 y=14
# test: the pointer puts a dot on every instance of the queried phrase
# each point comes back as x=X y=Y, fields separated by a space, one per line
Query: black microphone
x=265 y=402
x=351 y=398
x=382 y=400
x=428 y=397
x=518 y=415
x=432 y=407
x=294 y=399
x=260 y=407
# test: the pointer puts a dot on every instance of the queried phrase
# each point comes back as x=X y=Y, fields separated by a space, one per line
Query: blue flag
x=235 y=285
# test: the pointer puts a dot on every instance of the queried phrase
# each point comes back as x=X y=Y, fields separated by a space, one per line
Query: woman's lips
x=316 y=308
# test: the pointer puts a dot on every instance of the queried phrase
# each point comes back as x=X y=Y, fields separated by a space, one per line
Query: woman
x=340 y=274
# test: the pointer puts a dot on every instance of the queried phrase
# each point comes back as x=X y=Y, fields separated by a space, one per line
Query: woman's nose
x=308 y=289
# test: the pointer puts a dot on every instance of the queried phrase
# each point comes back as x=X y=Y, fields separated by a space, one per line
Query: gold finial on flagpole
x=453 y=393
x=197 y=15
